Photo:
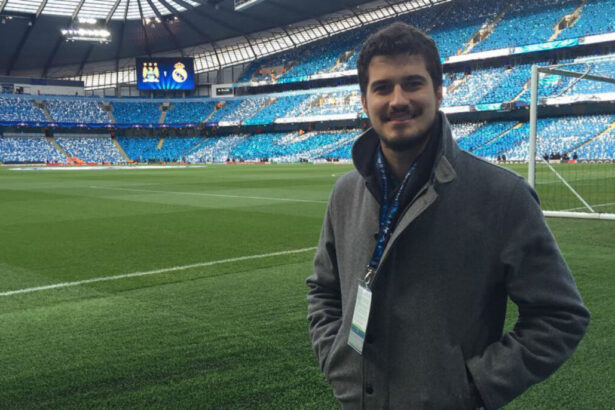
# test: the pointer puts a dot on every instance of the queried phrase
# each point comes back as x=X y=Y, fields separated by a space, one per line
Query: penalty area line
x=593 y=206
x=153 y=272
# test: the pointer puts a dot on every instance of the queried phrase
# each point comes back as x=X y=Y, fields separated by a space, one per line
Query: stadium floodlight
x=575 y=185
x=86 y=34
x=87 y=20
x=244 y=4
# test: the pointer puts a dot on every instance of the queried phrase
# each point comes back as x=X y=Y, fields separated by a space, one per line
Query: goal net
x=572 y=158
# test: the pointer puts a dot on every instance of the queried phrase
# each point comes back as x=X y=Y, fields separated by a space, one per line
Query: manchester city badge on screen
x=165 y=74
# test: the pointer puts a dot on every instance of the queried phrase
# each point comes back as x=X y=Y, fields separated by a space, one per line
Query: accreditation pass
x=363 y=304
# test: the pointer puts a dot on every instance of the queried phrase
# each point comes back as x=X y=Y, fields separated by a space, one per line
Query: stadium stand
x=485 y=139
x=502 y=142
x=328 y=103
x=91 y=149
x=155 y=149
x=215 y=149
x=457 y=28
x=341 y=150
x=344 y=102
x=600 y=148
x=270 y=68
x=342 y=153
x=340 y=54
x=281 y=107
x=189 y=112
x=77 y=110
x=136 y=112
x=569 y=86
x=501 y=84
x=454 y=26
x=478 y=136
x=567 y=135
x=243 y=109
x=581 y=134
x=465 y=129
x=225 y=108
x=141 y=149
x=291 y=147
x=323 y=56
x=596 y=17
x=19 y=109
x=490 y=85
x=527 y=22
x=29 y=149
x=176 y=148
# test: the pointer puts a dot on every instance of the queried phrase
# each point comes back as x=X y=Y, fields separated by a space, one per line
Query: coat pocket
x=342 y=368
x=434 y=379
x=461 y=383
x=330 y=353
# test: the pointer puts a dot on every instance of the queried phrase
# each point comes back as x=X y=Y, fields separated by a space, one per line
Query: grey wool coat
x=472 y=236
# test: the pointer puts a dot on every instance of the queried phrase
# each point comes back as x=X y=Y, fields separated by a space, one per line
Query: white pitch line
x=208 y=194
x=153 y=272
x=593 y=206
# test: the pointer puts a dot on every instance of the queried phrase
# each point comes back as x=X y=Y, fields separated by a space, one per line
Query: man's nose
x=398 y=97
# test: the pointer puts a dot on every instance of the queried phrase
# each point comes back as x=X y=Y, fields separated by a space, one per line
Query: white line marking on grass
x=104 y=167
x=208 y=194
x=153 y=272
x=593 y=206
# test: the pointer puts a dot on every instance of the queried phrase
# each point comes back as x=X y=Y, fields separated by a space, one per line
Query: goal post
x=583 y=187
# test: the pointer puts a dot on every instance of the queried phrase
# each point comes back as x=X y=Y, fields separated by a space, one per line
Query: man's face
x=400 y=100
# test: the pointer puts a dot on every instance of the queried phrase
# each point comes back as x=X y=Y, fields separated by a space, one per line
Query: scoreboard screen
x=165 y=73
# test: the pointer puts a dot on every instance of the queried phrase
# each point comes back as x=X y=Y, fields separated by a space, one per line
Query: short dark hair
x=400 y=38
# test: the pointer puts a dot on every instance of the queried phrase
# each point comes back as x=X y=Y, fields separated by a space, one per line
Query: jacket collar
x=365 y=147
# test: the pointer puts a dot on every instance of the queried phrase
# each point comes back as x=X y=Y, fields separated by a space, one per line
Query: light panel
x=97 y=9
x=86 y=34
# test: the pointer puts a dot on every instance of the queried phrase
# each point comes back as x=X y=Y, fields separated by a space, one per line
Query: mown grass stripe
x=153 y=272
x=264 y=198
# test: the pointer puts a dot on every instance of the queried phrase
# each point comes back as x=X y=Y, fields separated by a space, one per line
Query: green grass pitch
x=227 y=335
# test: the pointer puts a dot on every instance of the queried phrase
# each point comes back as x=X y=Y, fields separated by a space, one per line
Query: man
x=421 y=246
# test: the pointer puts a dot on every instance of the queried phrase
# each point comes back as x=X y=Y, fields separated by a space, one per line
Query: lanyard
x=388 y=212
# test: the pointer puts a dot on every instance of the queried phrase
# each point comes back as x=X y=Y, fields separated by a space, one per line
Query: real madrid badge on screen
x=165 y=73
x=362 y=306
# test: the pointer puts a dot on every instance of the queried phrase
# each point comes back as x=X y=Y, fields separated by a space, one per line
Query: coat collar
x=365 y=147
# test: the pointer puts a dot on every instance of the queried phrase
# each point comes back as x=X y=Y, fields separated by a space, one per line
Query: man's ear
x=364 y=103
x=439 y=97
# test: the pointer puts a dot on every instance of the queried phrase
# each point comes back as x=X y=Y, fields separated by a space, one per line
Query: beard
x=408 y=144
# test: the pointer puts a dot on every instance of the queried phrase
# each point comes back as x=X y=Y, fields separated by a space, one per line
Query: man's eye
x=412 y=85
x=381 y=89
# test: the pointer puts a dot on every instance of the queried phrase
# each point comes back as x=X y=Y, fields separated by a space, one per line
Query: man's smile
x=401 y=117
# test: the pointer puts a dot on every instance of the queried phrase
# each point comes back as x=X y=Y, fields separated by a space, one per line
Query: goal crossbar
x=566 y=73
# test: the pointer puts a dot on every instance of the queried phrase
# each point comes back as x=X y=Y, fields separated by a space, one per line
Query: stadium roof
x=34 y=45
x=99 y=9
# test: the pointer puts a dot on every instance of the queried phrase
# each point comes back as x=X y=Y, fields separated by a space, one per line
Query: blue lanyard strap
x=388 y=211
